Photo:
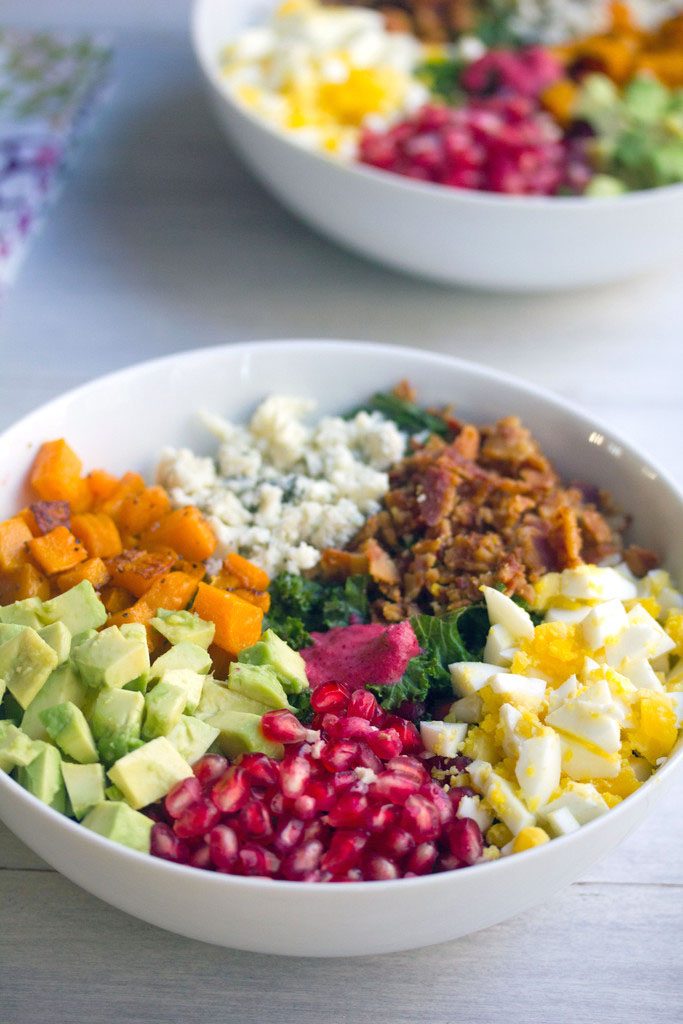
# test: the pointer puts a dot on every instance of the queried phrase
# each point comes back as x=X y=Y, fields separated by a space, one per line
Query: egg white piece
x=443 y=738
x=471 y=807
x=504 y=802
x=467 y=709
x=583 y=764
x=582 y=799
x=677 y=704
x=503 y=611
x=562 y=822
x=595 y=583
x=643 y=637
x=500 y=647
x=568 y=689
x=468 y=677
x=603 y=624
x=571 y=616
x=588 y=723
x=640 y=672
x=524 y=690
x=538 y=768
x=509 y=718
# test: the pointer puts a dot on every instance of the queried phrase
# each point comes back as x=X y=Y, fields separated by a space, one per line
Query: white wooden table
x=162 y=242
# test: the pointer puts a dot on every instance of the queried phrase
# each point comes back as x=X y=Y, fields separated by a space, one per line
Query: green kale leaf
x=301 y=606
x=406 y=415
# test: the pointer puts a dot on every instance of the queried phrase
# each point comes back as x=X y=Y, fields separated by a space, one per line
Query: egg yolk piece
x=655 y=731
x=554 y=652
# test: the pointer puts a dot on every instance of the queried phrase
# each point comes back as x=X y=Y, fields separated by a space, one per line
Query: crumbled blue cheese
x=280 y=490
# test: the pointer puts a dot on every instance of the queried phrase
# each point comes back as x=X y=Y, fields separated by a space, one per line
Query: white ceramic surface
x=153 y=404
x=449 y=235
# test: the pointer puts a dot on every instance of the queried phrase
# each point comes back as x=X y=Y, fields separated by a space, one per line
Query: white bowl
x=449 y=235
x=121 y=422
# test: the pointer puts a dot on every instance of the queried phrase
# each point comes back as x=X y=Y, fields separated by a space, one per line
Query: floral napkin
x=49 y=85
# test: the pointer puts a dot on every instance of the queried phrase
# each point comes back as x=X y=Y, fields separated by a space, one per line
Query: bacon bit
x=49 y=514
x=640 y=560
x=405 y=391
x=381 y=565
x=567 y=536
x=336 y=564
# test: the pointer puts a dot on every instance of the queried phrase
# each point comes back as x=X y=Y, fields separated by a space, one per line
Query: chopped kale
x=301 y=702
x=441 y=75
x=300 y=606
x=406 y=415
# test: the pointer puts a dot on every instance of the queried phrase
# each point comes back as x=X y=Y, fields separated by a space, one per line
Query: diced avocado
x=79 y=609
x=605 y=185
x=217 y=697
x=59 y=639
x=67 y=726
x=116 y=723
x=134 y=631
x=80 y=638
x=191 y=682
x=164 y=706
x=43 y=776
x=121 y=824
x=113 y=793
x=28 y=612
x=139 y=685
x=3 y=689
x=192 y=738
x=10 y=707
x=182 y=626
x=26 y=663
x=183 y=655
x=646 y=99
x=258 y=682
x=84 y=786
x=667 y=160
x=147 y=774
x=63 y=685
x=9 y=630
x=240 y=733
x=17 y=750
x=287 y=664
x=111 y=659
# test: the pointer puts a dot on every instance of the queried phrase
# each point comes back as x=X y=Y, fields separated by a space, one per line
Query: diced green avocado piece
x=182 y=626
x=217 y=697
x=134 y=631
x=28 y=612
x=63 y=685
x=116 y=723
x=9 y=630
x=646 y=99
x=79 y=609
x=147 y=774
x=3 y=689
x=139 y=685
x=121 y=824
x=191 y=682
x=43 y=776
x=259 y=682
x=240 y=733
x=667 y=161
x=111 y=659
x=164 y=706
x=59 y=639
x=192 y=738
x=67 y=726
x=84 y=786
x=288 y=665
x=10 y=707
x=17 y=750
x=113 y=793
x=605 y=185
x=183 y=655
x=80 y=638
x=26 y=663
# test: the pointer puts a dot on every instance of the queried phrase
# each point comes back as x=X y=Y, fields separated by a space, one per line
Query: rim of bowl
x=357 y=347
x=451 y=194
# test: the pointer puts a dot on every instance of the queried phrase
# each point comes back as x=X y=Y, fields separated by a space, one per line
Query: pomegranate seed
x=156 y=812
x=231 y=792
x=276 y=804
x=439 y=797
x=164 y=843
x=197 y=819
x=255 y=820
x=294 y=776
x=447 y=862
x=456 y=794
x=422 y=859
x=317 y=798
x=252 y=860
x=380 y=869
x=305 y=807
x=395 y=843
x=393 y=787
x=329 y=697
x=317 y=829
x=261 y=769
x=340 y=755
x=201 y=857
x=344 y=852
x=386 y=744
x=465 y=840
x=182 y=796
x=409 y=766
x=288 y=835
x=363 y=704
x=355 y=729
x=421 y=818
x=223 y=847
x=282 y=727
x=208 y=769
x=408 y=734
x=303 y=860
x=379 y=819
x=353 y=875
x=330 y=724
x=350 y=810
x=343 y=781
x=366 y=759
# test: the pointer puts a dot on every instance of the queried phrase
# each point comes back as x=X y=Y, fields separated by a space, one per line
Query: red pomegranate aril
x=302 y=861
x=447 y=862
x=408 y=734
x=282 y=726
x=197 y=819
x=367 y=759
x=252 y=860
x=439 y=797
x=231 y=793
x=465 y=840
x=343 y=781
x=393 y=787
x=293 y=777
x=396 y=843
x=330 y=724
x=272 y=863
x=380 y=869
x=456 y=794
x=329 y=697
x=380 y=818
x=353 y=875
x=317 y=798
x=420 y=818
x=208 y=769
x=288 y=835
x=422 y=859
x=305 y=807
x=276 y=804
x=339 y=755
x=409 y=766
x=223 y=847
x=255 y=820
x=363 y=704
x=386 y=744
x=317 y=829
x=345 y=851
x=166 y=844
x=355 y=728
x=201 y=857
x=261 y=769
x=349 y=811
x=182 y=796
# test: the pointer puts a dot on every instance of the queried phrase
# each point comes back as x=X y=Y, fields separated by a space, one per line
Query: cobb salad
x=368 y=647
x=521 y=99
